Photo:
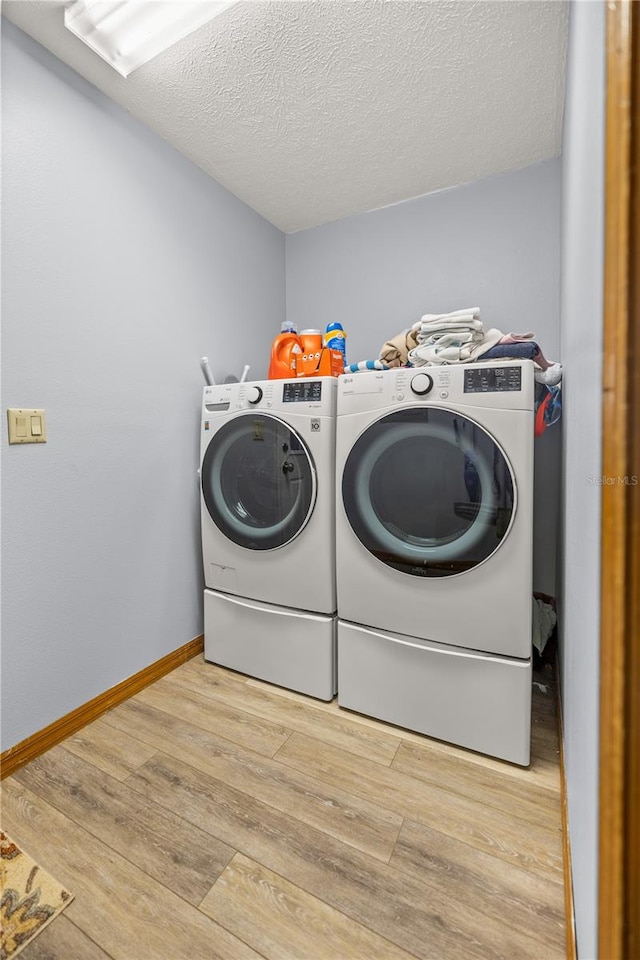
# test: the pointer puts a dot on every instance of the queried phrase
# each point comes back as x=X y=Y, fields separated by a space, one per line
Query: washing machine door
x=429 y=492
x=258 y=481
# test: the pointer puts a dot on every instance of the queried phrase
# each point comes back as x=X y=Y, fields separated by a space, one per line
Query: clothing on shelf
x=525 y=350
x=459 y=337
x=453 y=346
x=517 y=337
x=365 y=365
x=395 y=352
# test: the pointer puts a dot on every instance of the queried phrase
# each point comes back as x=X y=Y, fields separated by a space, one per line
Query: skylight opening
x=129 y=33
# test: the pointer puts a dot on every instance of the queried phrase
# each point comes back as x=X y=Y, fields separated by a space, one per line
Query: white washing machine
x=434 y=534
x=268 y=537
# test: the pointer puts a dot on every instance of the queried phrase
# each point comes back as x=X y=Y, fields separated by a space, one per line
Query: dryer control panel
x=507 y=385
x=493 y=380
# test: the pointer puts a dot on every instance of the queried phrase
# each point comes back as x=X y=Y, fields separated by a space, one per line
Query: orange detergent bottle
x=286 y=351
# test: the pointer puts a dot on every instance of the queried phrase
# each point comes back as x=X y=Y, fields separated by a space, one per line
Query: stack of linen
x=457 y=337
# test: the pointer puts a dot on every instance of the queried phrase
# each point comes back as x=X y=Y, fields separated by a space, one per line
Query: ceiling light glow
x=131 y=32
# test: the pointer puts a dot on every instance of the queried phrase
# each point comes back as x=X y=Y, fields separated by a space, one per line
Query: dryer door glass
x=258 y=481
x=428 y=492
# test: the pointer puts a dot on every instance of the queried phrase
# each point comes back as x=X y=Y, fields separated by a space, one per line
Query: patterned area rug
x=30 y=898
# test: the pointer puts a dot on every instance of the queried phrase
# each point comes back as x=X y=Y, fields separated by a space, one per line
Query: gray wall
x=122 y=264
x=494 y=244
x=581 y=337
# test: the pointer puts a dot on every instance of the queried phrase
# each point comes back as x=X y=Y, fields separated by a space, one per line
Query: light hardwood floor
x=215 y=816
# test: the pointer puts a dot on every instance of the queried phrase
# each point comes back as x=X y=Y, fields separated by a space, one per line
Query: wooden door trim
x=632 y=672
x=569 y=911
x=619 y=847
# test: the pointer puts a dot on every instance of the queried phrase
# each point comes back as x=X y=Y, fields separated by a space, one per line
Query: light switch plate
x=26 y=425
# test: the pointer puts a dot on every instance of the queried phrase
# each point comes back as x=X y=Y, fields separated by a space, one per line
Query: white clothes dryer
x=434 y=535
x=268 y=505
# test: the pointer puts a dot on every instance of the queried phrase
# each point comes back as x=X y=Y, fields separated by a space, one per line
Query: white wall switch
x=26 y=426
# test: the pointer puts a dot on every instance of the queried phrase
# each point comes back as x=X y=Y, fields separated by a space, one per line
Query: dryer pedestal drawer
x=291 y=648
x=473 y=699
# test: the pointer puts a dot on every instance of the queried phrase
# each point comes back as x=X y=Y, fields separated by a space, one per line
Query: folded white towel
x=447 y=350
x=450 y=338
x=425 y=330
x=473 y=312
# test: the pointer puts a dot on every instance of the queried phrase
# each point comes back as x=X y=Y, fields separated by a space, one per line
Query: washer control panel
x=302 y=391
x=316 y=397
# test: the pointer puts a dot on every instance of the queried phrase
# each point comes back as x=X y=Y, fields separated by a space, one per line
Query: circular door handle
x=254 y=394
x=287 y=467
x=421 y=384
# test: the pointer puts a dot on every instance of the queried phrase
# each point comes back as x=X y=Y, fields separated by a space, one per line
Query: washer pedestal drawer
x=291 y=648
x=473 y=699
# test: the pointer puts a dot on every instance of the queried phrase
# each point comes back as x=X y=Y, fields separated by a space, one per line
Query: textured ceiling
x=311 y=111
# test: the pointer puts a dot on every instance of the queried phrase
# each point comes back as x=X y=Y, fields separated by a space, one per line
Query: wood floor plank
x=231 y=720
x=524 y=800
x=546 y=720
x=214 y=683
x=282 y=922
x=543 y=770
x=416 y=917
x=545 y=740
x=113 y=751
x=185 y=860
x=544 y=744
x=365 y=826
x=493 y=887
x=528 y=845
x=131 y=915
x=540 y=779
x=313 y=797
x=62 y=940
